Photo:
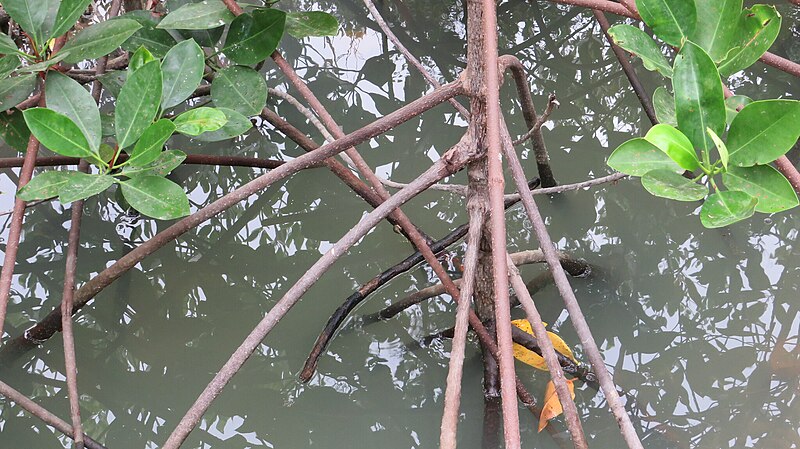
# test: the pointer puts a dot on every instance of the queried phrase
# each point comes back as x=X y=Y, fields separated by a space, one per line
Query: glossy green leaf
x=763 y=131
x=68 y=13
x=664 y=105
x=14 y=131
x=769 y=186
x=113 y=81
x=66 y=96
x=699 y=103
x=717 y=30
x=642 y=45
x=36 y=17
x=675 y=144
x=727 y=207
x=57 y=132
x=668 y=184
x=156 y=197
x=162 y=166
x=8 y=64
x=151 y=143
x=197 y=16
x=734 y=104
x=722 y=150
x=44 y=185
x=137 y=104
x=758 y=29
x=16 y=89
x=158 y=41
x=99 y=39
x=46 y=64
x=139 y=58
x=107 y=153
x=638 y=156
x=311 y=23
x=252 y=37
x=7 y=45
x=80 y=186
x=239 y=88
x=670 y=20
x=236 y=125
x=197 y=121
x=183 y=71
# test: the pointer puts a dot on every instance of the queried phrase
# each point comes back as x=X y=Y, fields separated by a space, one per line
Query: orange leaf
x=533 y=359
x=552 y=406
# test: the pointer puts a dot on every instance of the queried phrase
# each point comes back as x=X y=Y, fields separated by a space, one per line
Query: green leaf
x=253 y=37
x=239 y=88
x=44 y=185
x=718 y=27
x=151 y=143
x=16 y=89
x=236 y=125
x=699 y=102
x=670 y=20
x=162 y=166
x=14 y=131
x=758 y=29
x=727 y=207
x=675 y=144
x=80 y=186
x=139 y=58
x=8 y=64
x=668 y=184
x=763 y=131
x=99 y=40
x=107 y=153
x=769 y=186
x=183 y=71
x=36 y=17
x=46 y=64
x=66 y=96
x=311 y=23
x=113 y=81
x=197 y=121
x=7 y=45
x=137 y=104
x=57 y=132
x=664 y=104
x=734 y=104
x=156 y=197
x=722 y=150
x=638 y=156
x=68 y=13
x=640 y=44
x=156 y=40
x=197 y=16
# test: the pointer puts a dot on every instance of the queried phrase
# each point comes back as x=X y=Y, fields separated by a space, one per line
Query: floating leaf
x=664 y=104
x=671 y=20
x=15 y=90
x=252 y=37
x=772 y=190
x=552 y=406
x=239 y=88
x=44 y=186
x=197 y=121
x=99 y=39
x=763 y=131
x=671 y=185
x=236 y=125
x=311 y=23
x=14 y=130
x=640 y=44
x=533 y=359
x=66 y=96
x=675 y=144
x=137 y=104
x=156 y=197
x=57 y=132
x=149 y=146
x=80 y=186
x=197 y=16
x=638 y=156
x=183 y=71
x=162 y=166
x=727 y=207
x=758 y=29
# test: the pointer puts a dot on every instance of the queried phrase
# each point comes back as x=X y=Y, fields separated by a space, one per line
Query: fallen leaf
x=533 y=359
x=552 y=406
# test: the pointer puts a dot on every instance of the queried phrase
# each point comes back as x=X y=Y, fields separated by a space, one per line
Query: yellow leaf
x=533 y=359
x=552 y=406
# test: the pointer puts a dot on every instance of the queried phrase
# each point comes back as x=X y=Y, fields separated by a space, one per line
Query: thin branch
x=552 y=103
x=449 y=188
x=191 y=159
x=570 y=187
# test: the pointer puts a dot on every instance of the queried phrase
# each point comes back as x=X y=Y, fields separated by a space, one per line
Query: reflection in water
x=699 y=326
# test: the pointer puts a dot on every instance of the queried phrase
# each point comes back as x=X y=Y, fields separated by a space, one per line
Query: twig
x=570 y=187
x=552 y=103
x=574 y=309
x=43 y=414
x=449 y=188
x=497 y=219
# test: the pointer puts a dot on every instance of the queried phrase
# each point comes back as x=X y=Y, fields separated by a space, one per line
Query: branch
x=552 y=103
